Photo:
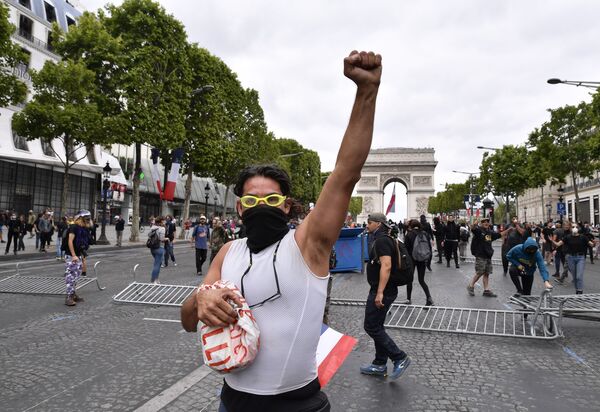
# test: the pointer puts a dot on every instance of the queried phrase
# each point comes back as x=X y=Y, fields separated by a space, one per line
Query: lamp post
x=549 y=210
x=471 y=174
x=102 y=240
x=206 y=190
x=582 y=83
x=216 y=198
x=525 y=211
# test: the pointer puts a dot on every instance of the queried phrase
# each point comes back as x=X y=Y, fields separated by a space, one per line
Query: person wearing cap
x=200 y=238
x=381 y=296
x=481 y=248
x=78 y=241
x=14 y=229
x=119 y=228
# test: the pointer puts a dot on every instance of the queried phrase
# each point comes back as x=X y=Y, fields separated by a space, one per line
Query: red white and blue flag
x=173 y=174
x=155 y=174
x=392 y=205
x=332 y=350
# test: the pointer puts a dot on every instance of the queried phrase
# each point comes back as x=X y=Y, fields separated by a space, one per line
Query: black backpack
x=153 y=241
x=464 y=235
x=402 y=272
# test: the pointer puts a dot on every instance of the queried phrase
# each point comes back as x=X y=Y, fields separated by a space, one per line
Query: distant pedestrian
x=463 y=242
x=3 y=222
x=170 y=229
x=14 y=229
x=61 y=227
x=200 y=237
x=418 y=244
x=31 y=218
x=575 y=245
x=381 y=296
x=22 y=234
x=218 y=238
x=481 y=248
x=37 y=230
x=45 y=227
x=187 y=229
x=156 y=241
x=78 y=241
x=451 y=236
x=119 y=228
x=438 y=232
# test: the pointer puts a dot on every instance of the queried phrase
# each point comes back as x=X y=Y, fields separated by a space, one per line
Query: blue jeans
x=169 y=252
x=576 y=266
x=158 y=254
x=59 y=252
x=385 y=347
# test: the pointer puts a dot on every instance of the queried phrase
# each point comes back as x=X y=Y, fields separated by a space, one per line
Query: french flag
x=392 y=205
x=155 y=173
x=332 y=350
x=173 y=174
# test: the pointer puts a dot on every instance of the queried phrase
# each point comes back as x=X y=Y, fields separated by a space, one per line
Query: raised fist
x=363 y=68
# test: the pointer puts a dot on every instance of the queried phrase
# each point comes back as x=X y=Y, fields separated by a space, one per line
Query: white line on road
x=170 y=394
x=163 y=320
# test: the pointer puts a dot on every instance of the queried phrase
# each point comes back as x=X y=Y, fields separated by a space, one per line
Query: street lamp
x=525 y=211
x=105 y=186
x=206 y=190
x=582 y=83
x=549 y=210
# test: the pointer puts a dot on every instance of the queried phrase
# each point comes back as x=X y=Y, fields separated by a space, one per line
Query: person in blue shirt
x=200 y=238
x=524 y=259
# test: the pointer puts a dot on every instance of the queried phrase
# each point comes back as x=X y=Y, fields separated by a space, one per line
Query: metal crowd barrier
x=153 y=294
x=44 y=285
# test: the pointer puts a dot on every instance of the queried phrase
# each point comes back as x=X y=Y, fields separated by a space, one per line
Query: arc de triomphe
x=414 y=168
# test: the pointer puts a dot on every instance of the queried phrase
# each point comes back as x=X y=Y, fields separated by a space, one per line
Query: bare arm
x=384 y=277
x=210 y=306
x=314 y=238
x=72 y=248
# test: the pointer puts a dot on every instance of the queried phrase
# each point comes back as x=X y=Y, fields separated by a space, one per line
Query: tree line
x=129 y=75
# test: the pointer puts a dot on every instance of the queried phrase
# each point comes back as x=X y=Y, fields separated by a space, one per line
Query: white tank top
x=290 y=326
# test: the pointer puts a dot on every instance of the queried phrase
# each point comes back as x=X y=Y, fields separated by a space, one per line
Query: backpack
x=464 y=235
x=153 y=241
x=64 y=243
x=402 y=272
x=421 y=249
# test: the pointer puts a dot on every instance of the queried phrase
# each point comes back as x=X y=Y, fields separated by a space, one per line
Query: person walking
x=427 y=228
x=438 y=233
x=451 y=235
x=525 y=258
x=200 y=238
x=13 y=227
x=61 y=227
x=463 y=241
x=285 y=271
x=45 y=226
x=22 y=234
x=561 y=230
x=516 y=235
x=156 y=242
x=547 y=234
x=77 y=243
x=31 y=218
x=170 y=230
x=119 y=228
x=3 y=222
x=187 y=229
x=575 y=248
x=382 y=258
x=481 y=248
x=418 y=244
x=587 y=232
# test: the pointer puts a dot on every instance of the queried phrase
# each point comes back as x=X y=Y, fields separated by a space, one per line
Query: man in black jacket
x=119 y=227
x=438 y=231
x=451 y=235
x=481 y=248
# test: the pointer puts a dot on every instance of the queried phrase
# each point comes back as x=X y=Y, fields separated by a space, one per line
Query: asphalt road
x=117 y=357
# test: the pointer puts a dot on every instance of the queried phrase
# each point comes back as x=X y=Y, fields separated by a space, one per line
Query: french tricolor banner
x=392 y=205
x=155 y=173
x=332 y=350
x=173 y=174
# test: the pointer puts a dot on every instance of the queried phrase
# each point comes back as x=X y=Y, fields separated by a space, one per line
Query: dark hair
x=271 y=171
x=415 y=224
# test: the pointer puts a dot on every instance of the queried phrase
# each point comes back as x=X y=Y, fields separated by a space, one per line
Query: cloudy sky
x=457 y=74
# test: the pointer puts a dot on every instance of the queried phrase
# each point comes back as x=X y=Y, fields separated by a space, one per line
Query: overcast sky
x=456 y=74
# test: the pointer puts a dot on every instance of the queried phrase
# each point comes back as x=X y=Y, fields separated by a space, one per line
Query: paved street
x=117 y=357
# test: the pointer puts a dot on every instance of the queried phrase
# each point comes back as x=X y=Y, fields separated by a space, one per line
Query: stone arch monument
x=414 y=168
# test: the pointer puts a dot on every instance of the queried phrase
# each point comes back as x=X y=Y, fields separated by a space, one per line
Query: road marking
x=575 y=356
x=170 y=394
x=163 y=320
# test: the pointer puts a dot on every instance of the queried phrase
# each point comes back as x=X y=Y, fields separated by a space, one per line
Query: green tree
x=566 y=144
x=508 y=172
x=12 y=90
x=355 y=207
x=304 y=168
x=154 y=83
x=62 y=109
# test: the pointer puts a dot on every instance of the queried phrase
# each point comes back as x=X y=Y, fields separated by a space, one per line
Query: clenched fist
x=363 y=68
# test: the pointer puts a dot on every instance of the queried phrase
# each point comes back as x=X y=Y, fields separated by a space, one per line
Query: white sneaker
x=174 y=264
x=162 y=266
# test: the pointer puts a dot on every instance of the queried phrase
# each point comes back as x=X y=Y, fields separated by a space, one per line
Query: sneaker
x=457 y=266
x=199 y=274
x=174 y=264
x=471 y=290
x=517 y=295
x=560 y=281
x=448 y=264
x=77 y=298
x=404 y=302
x=400 y=367
x=162 y=266
x=579 y=292
x=376 y=370
x=429 y=302
x=69 y=301
x=556 y=275
x=489 y=294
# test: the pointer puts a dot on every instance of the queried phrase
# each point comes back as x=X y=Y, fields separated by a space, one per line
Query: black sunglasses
x=277 y=294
